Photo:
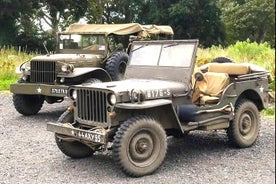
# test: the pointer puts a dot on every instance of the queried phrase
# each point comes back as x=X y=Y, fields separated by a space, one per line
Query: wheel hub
x=245 y=125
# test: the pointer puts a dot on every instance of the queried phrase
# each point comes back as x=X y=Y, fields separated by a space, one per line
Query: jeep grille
x=92 y=105
x=43 y=72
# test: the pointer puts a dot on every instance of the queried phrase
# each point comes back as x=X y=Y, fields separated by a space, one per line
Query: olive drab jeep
x=163 y=94
x=86 y=53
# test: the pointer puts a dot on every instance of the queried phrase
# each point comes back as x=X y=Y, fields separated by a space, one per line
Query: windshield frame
x=162 y=53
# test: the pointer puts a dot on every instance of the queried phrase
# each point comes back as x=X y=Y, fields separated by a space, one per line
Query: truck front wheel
x=139 y=146
x=244 y=129
x=27 y=104
x=73 y=149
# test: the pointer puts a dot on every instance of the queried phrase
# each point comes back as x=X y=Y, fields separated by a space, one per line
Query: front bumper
x=96 y=136
x=39 y=89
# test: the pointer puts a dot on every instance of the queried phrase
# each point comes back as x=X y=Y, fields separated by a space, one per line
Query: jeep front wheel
x=73 y=149
x=116 y=65
x=140 y=146
x=27 y=104
x=244 y=129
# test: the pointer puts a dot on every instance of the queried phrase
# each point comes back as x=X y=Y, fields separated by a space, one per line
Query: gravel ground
x=28 y=154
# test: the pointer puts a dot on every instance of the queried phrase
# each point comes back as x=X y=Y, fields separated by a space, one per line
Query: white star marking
x=39 y=90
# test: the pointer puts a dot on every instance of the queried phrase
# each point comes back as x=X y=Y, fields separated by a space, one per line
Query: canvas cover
x=118 y=29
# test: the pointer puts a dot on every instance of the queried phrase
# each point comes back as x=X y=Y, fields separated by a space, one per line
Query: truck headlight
x=24 y=67
x=74 y=94
x=112 y=99
x=67 y=68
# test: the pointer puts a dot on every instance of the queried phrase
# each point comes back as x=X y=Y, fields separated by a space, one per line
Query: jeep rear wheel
x=244 y=129
x=73 y=149
x=27 y=104
x=139 y=146
x=222 y=60
x=116 y=65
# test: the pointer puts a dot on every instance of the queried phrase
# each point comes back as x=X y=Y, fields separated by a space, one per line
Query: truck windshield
x=170 y=54
x=82 y=41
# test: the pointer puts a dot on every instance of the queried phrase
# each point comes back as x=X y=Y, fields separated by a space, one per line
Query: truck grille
x=43 y=72
x=92 y=105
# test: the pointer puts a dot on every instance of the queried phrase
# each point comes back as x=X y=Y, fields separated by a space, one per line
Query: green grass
x=10 y=58
x=270 y=111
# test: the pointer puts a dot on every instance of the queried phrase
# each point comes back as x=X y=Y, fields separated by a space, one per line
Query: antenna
x=44 y=44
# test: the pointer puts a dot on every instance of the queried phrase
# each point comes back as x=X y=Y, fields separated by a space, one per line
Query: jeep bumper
x=97 y=135
x=39 y=89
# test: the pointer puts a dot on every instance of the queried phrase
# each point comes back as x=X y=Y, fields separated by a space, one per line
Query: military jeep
x=163 y=94
x=86 y=53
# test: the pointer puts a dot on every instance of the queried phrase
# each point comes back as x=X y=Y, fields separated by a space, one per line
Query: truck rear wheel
x=73 y=149
x=244 y=129
x=27 y=104
x=116 y=65
x=139 y=146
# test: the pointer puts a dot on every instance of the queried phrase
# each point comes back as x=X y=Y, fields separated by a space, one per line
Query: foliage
x=9 y=60
x=197 y=20
x=253 y=19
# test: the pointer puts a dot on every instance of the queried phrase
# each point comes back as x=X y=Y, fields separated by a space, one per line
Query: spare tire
x=116 y=65
x=222 y=60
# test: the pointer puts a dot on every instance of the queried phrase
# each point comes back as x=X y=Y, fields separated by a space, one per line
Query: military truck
x=163 y=94
x=86 y=53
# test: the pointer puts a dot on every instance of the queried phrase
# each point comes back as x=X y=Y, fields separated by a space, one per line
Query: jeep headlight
x=67 y=68
x=112 y=99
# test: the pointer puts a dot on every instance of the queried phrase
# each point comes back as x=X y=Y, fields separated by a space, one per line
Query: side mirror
x=198 y=76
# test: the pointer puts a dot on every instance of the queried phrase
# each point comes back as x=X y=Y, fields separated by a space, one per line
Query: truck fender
x=96 y=72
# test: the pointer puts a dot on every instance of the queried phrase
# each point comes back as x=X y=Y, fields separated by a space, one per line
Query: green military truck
x=163 y=94
x=86 y=53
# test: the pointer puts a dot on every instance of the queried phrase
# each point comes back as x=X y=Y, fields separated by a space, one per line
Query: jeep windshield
x=82 y=42
x=166 y=60
x=173 y=54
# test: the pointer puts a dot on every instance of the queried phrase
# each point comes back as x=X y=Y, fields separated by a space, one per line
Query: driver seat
x=209 y=89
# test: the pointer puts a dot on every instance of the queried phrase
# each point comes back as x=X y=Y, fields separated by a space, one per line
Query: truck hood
x=151 y=88
x=68 y=57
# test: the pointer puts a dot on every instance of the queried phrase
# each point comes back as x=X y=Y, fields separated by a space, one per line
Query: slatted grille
x=43 y=72
x=92 y=105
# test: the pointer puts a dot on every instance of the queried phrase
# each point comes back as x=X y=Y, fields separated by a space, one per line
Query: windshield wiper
x=139 y=47
x=170 y=45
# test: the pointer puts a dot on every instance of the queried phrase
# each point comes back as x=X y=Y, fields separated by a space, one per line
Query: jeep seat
x=229 y=68
x=210 y=88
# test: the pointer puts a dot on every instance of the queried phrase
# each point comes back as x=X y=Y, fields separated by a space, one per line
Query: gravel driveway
x=28 y=154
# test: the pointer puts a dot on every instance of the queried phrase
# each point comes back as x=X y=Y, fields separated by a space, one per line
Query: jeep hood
x=68 y=57
x=152 y=88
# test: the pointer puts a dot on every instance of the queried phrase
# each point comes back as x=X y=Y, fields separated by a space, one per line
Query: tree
x=10 y=11
x=249 y=19
x=197 y=19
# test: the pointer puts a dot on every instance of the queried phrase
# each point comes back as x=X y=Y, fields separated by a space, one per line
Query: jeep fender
x=161 y=109
x=94 y=72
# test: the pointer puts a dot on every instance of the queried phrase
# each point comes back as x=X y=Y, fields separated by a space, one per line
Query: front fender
x=160 y=109
x=94 y=72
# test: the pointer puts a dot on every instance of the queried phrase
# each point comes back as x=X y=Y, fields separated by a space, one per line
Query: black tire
x=244 y=128
x=73 y=149
x=139 y=146
x=222 y=60
x=116 y=65
x=27 y=104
